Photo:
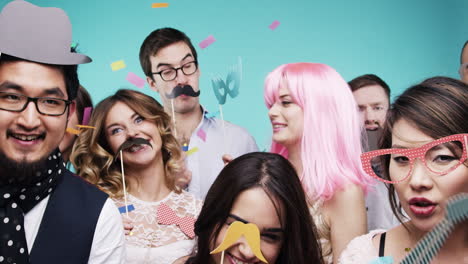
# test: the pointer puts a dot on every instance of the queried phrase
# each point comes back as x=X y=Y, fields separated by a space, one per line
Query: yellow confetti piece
x=158 y=5
x=191 y=151
x=73 y=131
x=407 y=249
x=118 y=65
x=83 y=126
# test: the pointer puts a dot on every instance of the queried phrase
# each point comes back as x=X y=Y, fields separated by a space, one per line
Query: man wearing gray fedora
x=47 y=214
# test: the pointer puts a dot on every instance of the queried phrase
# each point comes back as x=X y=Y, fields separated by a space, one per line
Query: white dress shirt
x=206 y=162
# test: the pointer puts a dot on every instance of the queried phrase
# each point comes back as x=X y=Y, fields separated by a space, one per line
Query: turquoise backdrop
x=401 y=41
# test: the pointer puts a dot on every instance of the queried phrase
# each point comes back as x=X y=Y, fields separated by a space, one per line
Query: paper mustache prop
x=179 y=90
x=133 y=142
x=130 y=142
x=234 y=232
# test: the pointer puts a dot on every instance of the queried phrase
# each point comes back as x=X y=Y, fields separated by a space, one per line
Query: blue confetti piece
x=185 y=147
x=382 y=260
x=129 y=207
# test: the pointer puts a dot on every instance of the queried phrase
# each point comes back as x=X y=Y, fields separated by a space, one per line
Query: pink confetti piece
x=86 y=115
x=274 y=25
x=201 y=134
x=206 y=42
x=135 y=80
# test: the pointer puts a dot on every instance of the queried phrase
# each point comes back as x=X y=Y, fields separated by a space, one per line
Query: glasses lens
x=13 y=102
x=169 y=74
x=51 y=106
x=189 y=68
x=399 y=166
x=444 y=157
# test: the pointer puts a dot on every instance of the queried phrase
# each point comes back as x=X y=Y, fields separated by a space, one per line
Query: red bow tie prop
x=167 y=216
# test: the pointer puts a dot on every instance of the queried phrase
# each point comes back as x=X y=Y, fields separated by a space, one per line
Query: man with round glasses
x=47 y=214
x=169 y=61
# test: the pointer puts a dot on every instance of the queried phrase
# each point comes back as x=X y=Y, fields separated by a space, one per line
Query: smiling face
x=174 y=56
x=424 y=194
x=121 y=123
x=29 y=136
x=373 y=105
x=287 y=119
x=253 y=206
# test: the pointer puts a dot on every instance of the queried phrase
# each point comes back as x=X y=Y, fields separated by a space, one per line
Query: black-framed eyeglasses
x=170 y=74
x=45 y=105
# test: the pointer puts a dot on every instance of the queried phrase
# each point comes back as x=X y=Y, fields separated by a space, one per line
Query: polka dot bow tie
x=167 y=216
x=17 y=200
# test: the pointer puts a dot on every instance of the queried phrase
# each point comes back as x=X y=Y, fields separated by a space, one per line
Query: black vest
x=66 y=232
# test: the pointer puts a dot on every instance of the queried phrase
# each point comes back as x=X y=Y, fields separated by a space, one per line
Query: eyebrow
x=48 y=92
x=168 y=64
x=275 y=230
x=116 y=124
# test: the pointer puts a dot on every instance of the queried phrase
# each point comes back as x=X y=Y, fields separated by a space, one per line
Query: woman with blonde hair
x=156 y=205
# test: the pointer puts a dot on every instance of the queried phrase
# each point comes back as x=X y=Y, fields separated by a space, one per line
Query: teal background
x=403 y=42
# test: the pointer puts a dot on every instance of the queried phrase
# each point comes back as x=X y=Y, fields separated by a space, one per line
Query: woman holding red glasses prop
x=423 y=159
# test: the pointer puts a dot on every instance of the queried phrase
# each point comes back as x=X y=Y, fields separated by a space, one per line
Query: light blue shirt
x=208 y=143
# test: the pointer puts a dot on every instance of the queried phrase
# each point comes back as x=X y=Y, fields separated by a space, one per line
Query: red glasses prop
x=440 y=157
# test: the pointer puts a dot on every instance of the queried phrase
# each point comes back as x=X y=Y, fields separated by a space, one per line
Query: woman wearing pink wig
x=316 y=126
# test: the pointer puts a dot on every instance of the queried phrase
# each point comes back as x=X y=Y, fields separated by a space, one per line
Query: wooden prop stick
x=224 y=128
x=173 y=118
x=123 y=182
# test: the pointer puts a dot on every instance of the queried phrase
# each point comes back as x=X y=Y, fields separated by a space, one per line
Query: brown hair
x=93 y=158
x=438 y=107
x=461 y=53
x=158 y=40
x=367 y=80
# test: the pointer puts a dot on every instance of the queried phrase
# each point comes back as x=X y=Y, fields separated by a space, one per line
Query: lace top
x=152 y=242
x=323 y=230
x=360 y=249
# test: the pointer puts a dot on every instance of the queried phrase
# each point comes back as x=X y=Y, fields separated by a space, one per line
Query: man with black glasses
x=47 y=214
x=170 y=64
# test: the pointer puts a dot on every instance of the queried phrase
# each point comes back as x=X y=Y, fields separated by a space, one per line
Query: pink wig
x=331 y=142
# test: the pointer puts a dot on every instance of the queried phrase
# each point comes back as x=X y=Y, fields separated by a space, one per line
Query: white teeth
x=278 y=126
x=26 y=138
x=135 y=148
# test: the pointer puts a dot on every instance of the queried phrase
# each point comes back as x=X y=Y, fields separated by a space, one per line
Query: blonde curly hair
x=93 y=159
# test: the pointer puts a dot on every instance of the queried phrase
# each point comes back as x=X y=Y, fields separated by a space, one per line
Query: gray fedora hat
x=38 y=34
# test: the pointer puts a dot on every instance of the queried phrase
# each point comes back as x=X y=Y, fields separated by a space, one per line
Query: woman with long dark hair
x=263 y=189
x=423 y=158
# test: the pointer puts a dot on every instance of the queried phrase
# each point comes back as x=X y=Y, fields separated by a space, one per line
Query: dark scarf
x=17 y=199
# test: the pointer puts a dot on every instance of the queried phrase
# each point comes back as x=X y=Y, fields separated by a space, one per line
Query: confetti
x=118 y=65
x=191 y=151
x=73 y=131
x=158 y=5
x=130 y=208
x=274 y=25
x=201 y=134
x=135 y=80
x=407 y=249
x=185 y=147
x=86 y=115
x=206 y=42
